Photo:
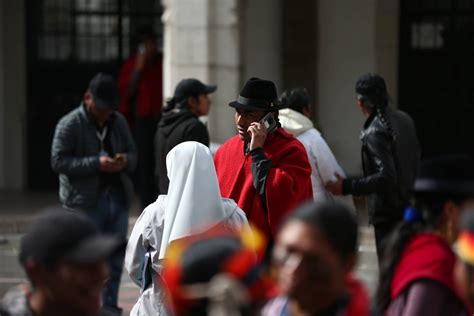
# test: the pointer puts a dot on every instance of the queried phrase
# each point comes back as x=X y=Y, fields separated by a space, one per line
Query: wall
x=354 y=37
x=262 y=41
x=223 y=42
x=202 y=40
x=12 y=95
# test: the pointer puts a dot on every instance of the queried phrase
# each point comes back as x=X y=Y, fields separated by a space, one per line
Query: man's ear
x=35 y=272
x=87 y=97
x=307 y=111
x=192 y=102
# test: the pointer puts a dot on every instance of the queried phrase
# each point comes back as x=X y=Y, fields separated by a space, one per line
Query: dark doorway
x=68 y=41
x=299 y=31
x=436 y=79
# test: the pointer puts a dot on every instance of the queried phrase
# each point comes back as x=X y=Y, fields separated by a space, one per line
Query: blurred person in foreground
x=141 y=99
x=217 y=273
x=181 y=123
x=416 y=276
x=263 y=168
x=314 y=255
x=295 y=119
x=390 y=157
x=192 y=205
x=65 y=260
x=464 y=270
x=93 y=152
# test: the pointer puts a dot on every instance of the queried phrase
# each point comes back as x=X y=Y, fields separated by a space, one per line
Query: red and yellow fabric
x=465 y=247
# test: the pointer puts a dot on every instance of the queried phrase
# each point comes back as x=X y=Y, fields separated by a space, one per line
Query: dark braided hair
x=431 y=207
x=381 y=113
x=372 y=90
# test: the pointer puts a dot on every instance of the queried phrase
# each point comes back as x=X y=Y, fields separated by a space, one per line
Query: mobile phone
x=119 y=157
x=269 y=121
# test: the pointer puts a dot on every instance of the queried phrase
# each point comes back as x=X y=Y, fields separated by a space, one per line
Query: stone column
x=202 y=40
x=12 y=95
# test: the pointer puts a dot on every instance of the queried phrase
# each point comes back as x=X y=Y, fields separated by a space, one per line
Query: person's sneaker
x=111 y=311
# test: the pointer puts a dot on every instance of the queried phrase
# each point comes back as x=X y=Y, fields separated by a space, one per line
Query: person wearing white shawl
x=295 y=120
x=193 y=204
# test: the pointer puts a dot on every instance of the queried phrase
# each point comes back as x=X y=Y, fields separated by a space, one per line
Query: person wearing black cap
x=264 y=169
x=295 y=119
x=141 y=100
x=180 y=123
x=417 y=274
x=93 y=152
x=390 y=157
x=64 y=257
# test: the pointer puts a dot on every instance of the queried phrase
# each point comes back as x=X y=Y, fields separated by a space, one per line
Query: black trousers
x=144 y=134
x=382 y=232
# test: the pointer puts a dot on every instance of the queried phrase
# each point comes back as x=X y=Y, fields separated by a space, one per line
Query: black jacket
x=390 y=157
x=176 y=126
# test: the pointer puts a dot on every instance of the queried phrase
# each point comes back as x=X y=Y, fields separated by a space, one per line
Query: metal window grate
x=93 y=30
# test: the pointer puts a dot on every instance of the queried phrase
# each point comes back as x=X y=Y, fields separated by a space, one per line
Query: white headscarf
x=194 y=199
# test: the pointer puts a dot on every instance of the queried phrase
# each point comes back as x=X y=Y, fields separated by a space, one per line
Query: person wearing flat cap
x=180 y=123
x=94 y=154
x=263 y=168
x=64 y=257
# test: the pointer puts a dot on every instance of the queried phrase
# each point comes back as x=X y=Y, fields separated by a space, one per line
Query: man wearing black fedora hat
x=264 y=169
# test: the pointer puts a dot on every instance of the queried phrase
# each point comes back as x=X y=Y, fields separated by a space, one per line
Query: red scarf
x=359 y=304
x=288 y=183
x=426 y=256
x=149 y=97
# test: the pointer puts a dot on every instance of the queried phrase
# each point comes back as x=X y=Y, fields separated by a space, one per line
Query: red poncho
x=288 y=182
x=149 y=97
x=426 y=256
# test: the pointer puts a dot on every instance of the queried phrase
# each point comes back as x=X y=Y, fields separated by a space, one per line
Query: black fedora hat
x=449 y=174
x=257 y=95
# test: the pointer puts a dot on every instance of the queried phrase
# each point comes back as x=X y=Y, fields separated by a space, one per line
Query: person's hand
x=140 y=60
x=258 y=134
x=109 y=165
x=122 y=159
x=335 y=187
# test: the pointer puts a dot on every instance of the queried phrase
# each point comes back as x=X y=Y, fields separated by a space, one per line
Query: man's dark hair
x=334 y=221
x=144 y=33
x=371 y=90
x=296 y=99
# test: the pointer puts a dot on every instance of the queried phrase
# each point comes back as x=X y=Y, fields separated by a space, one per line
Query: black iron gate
x=436 y=78
x=68 y=41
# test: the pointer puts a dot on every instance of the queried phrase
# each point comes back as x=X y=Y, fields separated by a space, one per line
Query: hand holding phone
x=269 y=121
x=259 y=130
x=121 y=158
x=140 y=58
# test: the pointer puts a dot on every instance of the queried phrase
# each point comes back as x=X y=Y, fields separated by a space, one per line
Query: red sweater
x=149 y=93
x=288 y=182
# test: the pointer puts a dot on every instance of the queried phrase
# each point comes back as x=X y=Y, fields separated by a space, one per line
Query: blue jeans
x=111 y=216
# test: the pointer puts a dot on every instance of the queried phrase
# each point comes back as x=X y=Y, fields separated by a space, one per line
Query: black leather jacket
x=390 y=157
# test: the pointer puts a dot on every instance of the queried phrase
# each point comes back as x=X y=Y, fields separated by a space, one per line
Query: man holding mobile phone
x=93 y=152
x=264 y=169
